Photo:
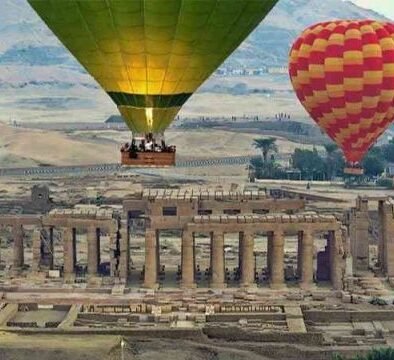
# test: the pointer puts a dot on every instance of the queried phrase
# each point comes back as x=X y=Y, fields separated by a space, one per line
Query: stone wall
x=103 y=318
x=348 y=315
x=248 y=316
x=236 y=333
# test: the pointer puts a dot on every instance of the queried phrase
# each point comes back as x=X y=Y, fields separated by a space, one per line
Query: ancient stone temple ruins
x=212 y=215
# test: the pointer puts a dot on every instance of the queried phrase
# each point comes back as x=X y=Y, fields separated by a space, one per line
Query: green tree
x=308 y=162
x=374 y=354
x=388 y=151
x=376 y=150
x=334 y=162
x=267 y=170
x=330 y=148
x=266 y=146
x=373 y=164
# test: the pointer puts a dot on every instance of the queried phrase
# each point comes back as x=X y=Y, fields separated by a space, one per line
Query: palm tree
x=266 y=146
x=331 y=159
x=330 y=148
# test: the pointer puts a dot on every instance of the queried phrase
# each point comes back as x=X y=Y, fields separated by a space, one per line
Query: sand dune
x=203 y=143
x=21 y=147
x=26 y=147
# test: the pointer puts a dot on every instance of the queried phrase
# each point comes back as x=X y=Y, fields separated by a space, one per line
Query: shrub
x=374 y=354
x=385 y=182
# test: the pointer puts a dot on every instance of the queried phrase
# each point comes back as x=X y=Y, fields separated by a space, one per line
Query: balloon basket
x=355 y=171
x=148 y=158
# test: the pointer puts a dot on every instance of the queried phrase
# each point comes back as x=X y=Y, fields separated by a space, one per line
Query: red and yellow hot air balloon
x=343 y=74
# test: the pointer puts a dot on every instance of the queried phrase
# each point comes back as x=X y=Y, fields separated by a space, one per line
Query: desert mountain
x=31 y=55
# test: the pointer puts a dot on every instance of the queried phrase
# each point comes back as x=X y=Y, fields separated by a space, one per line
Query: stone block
x=243 y=322
x=358 y=332
x=295 y=296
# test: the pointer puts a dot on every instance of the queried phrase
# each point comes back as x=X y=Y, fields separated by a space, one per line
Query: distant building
x=221 y=72
x=278 y=70
x=115 y=119
x=260 y=71
x=390 y=170
x=238 y=72
x=40 y=198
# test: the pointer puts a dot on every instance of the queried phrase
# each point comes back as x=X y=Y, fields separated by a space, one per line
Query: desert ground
x=217 y=97
x=107 y=347
x=20 y=147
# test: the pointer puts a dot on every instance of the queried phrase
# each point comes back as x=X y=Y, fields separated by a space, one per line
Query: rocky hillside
x=30 y=54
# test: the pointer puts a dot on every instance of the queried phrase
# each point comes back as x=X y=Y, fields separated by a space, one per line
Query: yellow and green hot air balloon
x=151 y=55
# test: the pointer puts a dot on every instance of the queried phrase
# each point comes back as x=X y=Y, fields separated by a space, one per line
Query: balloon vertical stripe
x=150 y=56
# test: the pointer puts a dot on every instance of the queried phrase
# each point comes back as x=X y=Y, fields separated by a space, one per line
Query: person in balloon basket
x=149 y=145
x=133 y=150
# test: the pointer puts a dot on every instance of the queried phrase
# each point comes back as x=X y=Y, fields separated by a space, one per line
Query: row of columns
x=42 y=246
x=70 y=250
x=42 y=241
x=275 y=259
x=120 y=256
x=119 y=252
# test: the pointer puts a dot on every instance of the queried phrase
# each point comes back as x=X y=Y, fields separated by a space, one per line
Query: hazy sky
x=385 y=7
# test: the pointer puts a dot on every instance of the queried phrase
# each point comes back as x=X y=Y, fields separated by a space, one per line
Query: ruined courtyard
x=260 y=266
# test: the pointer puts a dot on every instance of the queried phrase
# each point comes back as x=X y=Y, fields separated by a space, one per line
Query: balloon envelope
x=151 y=55
x=343 y=74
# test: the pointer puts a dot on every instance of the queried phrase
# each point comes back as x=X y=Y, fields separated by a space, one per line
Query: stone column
x=98 y=239
x=69 y=253
x=36 y=250
x=247 y=271
x=74 y=245
x=194 y=256
x=187 y=260
x=158 y=251
x=52 y=247
x=359 y=234
x=240 y=249
x=386 y=216
x=335 y=239
x=114 y=254
x=300 y=235
x=43 y=251
x=210 y=252
x=48 y=246
x=277 y=273
x=270 y=239
x=382 y=237
x=218 y=275
x=92 y=250
x=151 y=267
x=124 y=251
x=307 y=259
x=17 y=235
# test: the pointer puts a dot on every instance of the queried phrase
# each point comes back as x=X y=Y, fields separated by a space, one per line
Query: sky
x=385 y=7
